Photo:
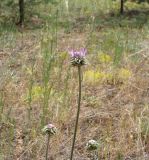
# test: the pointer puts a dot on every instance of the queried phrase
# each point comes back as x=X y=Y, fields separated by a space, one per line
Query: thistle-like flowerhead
x=92 y=145
x=49 y=129
x=78 y=57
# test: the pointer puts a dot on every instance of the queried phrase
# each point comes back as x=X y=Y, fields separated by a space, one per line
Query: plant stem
x=78 y=112
x=122 y=7
x=95 y=155
x=47 y=146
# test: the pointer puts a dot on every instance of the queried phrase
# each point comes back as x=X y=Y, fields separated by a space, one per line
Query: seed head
x=92 y=145
x=49 y=129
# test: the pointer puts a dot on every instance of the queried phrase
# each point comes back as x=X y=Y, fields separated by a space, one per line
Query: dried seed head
x=49 y=129
x=92 y=145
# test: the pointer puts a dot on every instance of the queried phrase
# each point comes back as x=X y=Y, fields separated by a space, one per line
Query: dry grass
x=114 y=111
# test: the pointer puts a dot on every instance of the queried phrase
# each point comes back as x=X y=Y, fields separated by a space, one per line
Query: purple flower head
x=78 y=56
x=78 y=53
x=49 y=129
x=50 y=126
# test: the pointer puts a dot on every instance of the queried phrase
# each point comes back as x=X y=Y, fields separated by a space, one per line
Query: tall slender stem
x=21 y=10
x=78 y=112
x=122 y=7
x=95 y=155
x=47 y=146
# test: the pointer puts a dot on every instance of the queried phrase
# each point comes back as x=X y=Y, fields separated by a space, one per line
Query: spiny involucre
x=92 y=145
x=49 y=129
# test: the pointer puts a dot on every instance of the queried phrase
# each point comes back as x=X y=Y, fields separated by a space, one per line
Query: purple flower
x=78 y=56
x=78 y=53
x=50 y=126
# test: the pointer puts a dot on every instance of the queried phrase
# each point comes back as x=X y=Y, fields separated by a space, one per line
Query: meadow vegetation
x=39 y=86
